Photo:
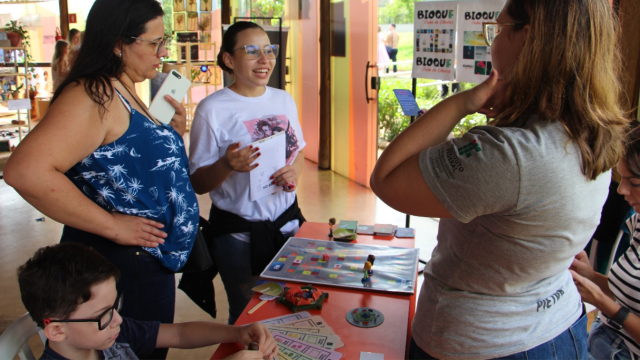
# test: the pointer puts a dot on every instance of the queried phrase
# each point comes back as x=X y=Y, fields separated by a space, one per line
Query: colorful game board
x=303 y=260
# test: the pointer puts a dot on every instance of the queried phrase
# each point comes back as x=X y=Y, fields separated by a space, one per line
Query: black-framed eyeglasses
x=491 y=29
x=165 y=42
x=103 y=319
x=253 y=51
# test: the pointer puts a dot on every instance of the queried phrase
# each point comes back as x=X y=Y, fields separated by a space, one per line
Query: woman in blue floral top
x=99 y=163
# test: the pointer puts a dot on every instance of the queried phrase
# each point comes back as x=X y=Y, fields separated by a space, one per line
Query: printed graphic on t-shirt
x=268 y=125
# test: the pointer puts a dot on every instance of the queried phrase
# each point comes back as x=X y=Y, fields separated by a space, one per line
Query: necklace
x=140 y=105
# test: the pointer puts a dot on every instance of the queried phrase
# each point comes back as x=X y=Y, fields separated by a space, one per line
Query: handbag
x=200 y=257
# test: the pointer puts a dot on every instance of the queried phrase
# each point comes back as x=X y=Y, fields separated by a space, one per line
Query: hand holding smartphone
x=174 y=85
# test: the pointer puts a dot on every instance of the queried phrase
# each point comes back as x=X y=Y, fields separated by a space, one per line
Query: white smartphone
x=174 y=85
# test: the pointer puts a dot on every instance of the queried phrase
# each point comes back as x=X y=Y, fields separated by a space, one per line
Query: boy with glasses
x=70 y=291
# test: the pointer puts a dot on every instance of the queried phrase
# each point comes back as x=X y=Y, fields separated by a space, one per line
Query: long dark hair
x=230 y=41
x=109 y=21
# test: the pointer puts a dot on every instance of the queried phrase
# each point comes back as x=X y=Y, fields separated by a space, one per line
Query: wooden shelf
x=12 y=74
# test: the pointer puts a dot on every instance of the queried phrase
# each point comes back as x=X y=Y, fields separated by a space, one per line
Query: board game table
x=391 y=338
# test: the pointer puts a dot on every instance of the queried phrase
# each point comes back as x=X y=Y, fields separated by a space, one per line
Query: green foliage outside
x=391 y=120
x=397 y=12
x=267 y=8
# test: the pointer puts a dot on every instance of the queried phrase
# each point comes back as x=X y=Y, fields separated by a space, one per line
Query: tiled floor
x=322 y=194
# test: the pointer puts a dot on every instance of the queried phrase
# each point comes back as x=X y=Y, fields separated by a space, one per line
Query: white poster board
x=473 y=59
x=434 y=49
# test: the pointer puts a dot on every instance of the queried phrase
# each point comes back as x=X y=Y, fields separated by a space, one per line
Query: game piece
x=332 y=222
x=253 y=346
x=365 y=317
x=302 y=298
x=366 y=279
x=371 y=258
x=326 y=257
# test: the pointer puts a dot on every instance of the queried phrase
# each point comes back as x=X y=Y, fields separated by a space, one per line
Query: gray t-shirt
x=498 y=280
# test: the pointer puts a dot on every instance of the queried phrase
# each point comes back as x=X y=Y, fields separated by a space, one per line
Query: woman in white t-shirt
x=247 y=234
x=518 y=198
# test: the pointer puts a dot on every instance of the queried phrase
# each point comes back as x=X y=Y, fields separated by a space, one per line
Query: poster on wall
x=474 y=62
x=434 y=49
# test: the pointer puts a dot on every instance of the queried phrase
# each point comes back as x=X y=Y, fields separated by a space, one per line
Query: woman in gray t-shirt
x=512 y=195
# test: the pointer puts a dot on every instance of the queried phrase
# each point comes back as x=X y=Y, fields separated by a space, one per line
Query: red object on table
x=398 y=309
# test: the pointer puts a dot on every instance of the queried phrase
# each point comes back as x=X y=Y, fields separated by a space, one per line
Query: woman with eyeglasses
x=519 y=198
x=247 y=234
x=99 y=163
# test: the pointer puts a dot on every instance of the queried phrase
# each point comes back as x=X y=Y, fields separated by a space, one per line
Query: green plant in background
x=268 y=8
x=397 y=12
x=391 y=120
x=15 y=27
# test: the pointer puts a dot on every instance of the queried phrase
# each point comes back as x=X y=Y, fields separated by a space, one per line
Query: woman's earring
x=120 y=55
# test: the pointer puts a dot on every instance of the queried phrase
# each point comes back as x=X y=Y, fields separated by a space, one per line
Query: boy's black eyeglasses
x=103 y=319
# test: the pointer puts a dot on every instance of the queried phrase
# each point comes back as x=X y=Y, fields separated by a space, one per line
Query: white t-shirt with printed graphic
x=224 y=118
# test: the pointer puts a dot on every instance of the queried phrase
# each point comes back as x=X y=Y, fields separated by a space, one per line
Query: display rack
x=184 y=66
x=23 y=116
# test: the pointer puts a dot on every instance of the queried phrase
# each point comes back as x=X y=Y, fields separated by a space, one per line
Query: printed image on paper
x=268 y=125
x=434 y=50
x=474 y=62
x=272 y=159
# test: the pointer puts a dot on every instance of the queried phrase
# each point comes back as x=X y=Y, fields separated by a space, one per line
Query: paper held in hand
x=272 y=159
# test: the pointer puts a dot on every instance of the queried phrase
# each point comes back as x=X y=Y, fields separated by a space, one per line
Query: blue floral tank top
x=145 y=173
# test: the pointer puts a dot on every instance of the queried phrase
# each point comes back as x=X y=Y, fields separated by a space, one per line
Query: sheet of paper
x=310 y=330
x=286 y=318
x=286 y=345
x=325 y=341
x=272 y=158
x=371 y=356
x=22 y=104
x=313 y=321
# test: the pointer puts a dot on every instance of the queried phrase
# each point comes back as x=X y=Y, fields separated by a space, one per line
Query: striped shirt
x=624 y=282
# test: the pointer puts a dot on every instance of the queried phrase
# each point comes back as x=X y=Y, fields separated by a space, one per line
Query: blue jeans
x=148 y=287
x=233 y=258
x=604 y=343
x=571 y=344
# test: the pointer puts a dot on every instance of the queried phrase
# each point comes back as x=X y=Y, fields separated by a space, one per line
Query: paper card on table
x=348 y=224
x=371 y=356
x=269 y=288
x=325 y=341
x=286 y=318
x=272 y=158
x=405 y=233
x=365 y=229
x=304 y=348
x=310 y=330
x=22 y=104
x=282 y=356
